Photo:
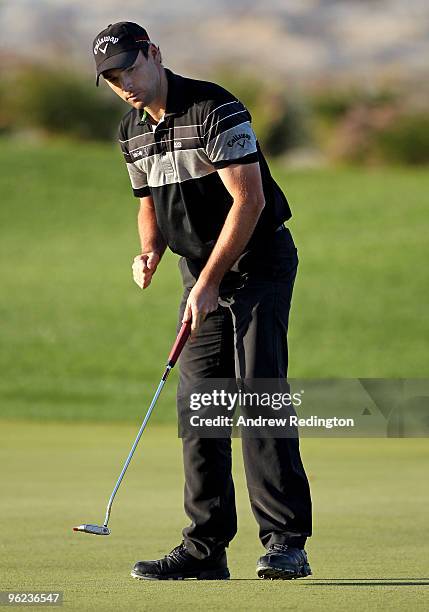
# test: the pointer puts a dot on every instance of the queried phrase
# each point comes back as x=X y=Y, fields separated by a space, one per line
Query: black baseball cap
x=118 y=46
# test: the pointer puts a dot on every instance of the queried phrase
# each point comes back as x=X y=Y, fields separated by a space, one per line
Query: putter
x=180 y=342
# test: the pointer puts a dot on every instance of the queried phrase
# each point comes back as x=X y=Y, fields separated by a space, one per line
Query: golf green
x=368 y=551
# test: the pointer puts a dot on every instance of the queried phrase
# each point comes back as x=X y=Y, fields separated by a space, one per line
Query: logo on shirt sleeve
x=240 y=139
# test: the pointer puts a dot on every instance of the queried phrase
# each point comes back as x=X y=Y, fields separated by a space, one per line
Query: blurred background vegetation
x=342 y=124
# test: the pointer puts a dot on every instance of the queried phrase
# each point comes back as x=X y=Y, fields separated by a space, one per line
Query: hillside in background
x=309 y=41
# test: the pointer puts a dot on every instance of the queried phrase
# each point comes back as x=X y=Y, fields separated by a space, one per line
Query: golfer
x=206 y=192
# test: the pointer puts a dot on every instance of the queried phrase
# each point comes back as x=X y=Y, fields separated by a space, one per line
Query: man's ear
x=156 y=52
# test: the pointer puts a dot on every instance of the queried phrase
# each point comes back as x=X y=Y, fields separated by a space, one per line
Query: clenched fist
x=144 y=267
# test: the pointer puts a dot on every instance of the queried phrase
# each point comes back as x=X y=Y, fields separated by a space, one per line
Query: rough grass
x=80 y=341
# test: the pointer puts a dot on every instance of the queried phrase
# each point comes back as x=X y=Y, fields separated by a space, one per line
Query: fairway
x=81 y=341
x=367 y=553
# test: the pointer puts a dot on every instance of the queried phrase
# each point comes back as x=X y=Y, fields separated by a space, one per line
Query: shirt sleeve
x=227 y=132
x=137 y=176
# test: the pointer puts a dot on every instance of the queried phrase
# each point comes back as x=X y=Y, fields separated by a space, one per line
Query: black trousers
x=245 y=338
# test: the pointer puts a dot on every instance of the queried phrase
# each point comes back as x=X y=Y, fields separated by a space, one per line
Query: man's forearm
x=151 y=239
x=243 y=182
x=236 y=233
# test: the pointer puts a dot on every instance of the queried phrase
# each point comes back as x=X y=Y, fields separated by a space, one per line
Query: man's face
x=138 y=84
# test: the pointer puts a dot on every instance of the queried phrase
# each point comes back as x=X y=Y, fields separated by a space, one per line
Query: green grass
x=80 y=341
x=368 y=550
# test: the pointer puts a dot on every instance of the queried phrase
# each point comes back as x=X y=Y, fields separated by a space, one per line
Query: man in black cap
x=206 y=192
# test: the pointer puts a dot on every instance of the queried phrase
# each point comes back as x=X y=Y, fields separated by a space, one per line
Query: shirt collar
x=176 y=102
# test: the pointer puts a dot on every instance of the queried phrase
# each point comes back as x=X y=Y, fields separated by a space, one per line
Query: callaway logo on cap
x=117 y=46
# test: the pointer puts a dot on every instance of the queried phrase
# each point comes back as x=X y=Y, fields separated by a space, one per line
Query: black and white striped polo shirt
x=204 y=128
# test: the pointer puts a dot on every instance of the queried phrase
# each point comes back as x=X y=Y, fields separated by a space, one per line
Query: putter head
x=94 y=529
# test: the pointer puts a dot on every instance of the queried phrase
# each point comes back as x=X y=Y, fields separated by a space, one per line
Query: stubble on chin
x=137 y=105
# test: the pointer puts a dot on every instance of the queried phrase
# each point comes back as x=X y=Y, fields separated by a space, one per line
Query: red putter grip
x=180 y=342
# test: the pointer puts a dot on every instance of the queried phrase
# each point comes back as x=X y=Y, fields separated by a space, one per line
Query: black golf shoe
x=179 y=564
x=282 y=562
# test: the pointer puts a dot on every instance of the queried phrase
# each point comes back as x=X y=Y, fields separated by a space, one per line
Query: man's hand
x=201 y=301
x=144 y=267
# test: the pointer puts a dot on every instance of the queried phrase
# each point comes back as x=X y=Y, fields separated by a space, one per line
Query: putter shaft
x=178 y=345
x=142 y=428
